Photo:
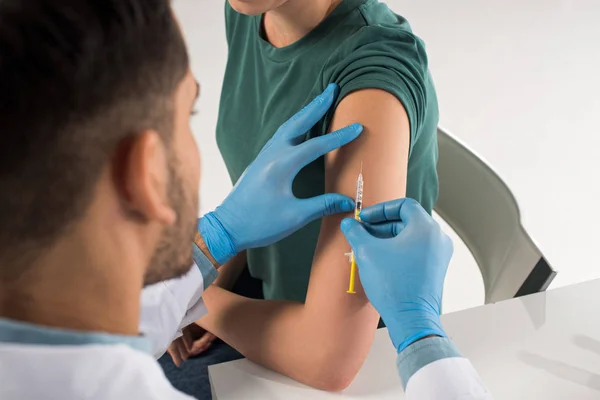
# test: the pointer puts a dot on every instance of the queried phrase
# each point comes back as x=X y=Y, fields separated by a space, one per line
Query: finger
x=174 y=353
x=382 y=212
x=385 y=230
x=405 y=210
x=202 y=344
x=179 y=348
x=309 y=151
x=412 y=212
x=306 y=118
x=183 y=353
x=196 y=351
x=188 y=340
x=356 y=234
x=324 y=205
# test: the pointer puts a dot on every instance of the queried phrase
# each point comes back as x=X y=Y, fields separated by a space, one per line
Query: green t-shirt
x=362 y=44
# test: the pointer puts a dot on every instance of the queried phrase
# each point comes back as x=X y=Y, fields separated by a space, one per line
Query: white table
x=545 y=346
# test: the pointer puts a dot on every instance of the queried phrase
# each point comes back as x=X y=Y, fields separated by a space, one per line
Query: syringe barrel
x=359 y=192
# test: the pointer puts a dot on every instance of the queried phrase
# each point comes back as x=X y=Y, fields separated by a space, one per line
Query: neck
x=294 y=20
x=77 y=286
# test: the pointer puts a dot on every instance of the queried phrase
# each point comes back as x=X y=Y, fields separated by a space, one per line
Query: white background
x=518 y=81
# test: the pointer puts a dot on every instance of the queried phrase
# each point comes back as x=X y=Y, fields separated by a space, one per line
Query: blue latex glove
x=402 y=256
x=262 y=209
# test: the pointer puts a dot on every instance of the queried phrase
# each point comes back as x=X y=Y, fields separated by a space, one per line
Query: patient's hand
x=195 y=341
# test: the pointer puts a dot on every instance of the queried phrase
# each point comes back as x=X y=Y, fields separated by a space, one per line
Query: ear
x=145 y=178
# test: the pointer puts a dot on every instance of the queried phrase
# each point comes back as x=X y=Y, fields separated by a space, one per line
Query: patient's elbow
x=335 y=364
x=336 y=384
x=334 y=375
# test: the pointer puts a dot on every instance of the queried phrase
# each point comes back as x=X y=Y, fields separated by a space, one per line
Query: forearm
x=286 y=337
x=306 y=342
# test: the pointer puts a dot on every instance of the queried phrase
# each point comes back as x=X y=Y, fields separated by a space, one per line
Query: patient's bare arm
x=324 y=342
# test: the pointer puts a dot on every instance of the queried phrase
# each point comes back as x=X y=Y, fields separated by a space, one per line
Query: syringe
x=357 y=210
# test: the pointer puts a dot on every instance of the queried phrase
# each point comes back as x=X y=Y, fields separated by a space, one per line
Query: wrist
x=409 y=327
x=215 y=239
x=418 y=336
x=199 y=241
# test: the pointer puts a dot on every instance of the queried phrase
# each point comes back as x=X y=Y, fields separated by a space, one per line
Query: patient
x=282 y=53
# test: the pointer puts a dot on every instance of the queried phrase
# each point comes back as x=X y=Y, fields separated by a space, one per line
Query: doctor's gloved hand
x=262 y=209
x=402 y=256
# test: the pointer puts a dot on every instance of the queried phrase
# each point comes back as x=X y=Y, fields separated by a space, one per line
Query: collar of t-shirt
x=320 y=32
x=17 y=332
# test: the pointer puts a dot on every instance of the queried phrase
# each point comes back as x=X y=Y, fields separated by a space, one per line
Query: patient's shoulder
x=379 y=46
x=389 y=59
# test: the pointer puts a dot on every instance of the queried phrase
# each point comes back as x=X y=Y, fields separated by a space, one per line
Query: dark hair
x=77 y=77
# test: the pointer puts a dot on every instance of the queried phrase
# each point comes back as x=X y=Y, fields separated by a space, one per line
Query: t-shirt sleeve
x=384 y=58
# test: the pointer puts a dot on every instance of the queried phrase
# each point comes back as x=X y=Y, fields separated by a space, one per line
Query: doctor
x=99 y=176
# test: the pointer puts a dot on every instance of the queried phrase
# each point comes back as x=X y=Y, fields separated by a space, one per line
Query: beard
x=172 y=257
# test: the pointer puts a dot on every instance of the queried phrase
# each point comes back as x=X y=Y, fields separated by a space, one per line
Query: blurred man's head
x=95 y=143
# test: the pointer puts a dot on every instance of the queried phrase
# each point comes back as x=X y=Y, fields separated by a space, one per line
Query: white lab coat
x=107 y=371
x=447 y=379
x=90 y=372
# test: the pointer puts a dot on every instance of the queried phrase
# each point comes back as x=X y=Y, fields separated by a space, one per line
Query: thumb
x=356 y=234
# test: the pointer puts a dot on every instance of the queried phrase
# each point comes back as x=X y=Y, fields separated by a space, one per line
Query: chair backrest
x=481 y=209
